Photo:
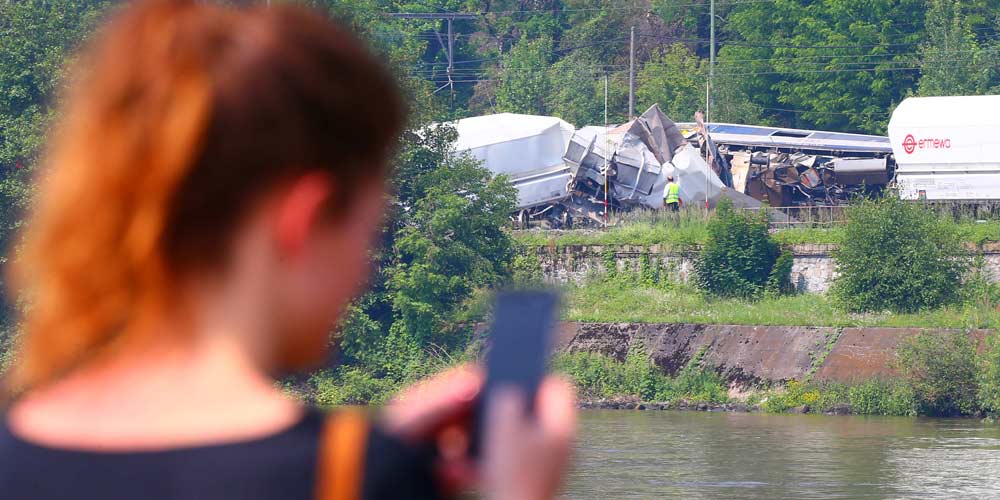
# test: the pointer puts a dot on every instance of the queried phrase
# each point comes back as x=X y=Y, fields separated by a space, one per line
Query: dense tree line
x=841 y=64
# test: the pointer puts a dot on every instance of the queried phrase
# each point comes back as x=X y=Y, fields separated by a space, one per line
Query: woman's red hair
x=185 y=114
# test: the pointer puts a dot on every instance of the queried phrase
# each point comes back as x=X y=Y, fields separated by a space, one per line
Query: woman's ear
x=298 y=208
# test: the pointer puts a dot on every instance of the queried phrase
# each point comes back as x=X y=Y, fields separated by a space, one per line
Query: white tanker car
x=947 y=148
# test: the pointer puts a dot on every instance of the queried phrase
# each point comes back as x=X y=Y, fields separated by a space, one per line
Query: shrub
x=739 y=255
x=872 y=397
x=600 y=376
x=696 y=384
x=989 y=375
x=610 y=264
x=880 y=397
x=898 y=256
x=779 y=281
x=795 y=394
x=526 y=270
x=351 y=385
x=941 y=371
x=593 y=374
x=649 y=270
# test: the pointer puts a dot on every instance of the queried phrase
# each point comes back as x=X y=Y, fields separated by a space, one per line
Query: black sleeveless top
x=279 y=466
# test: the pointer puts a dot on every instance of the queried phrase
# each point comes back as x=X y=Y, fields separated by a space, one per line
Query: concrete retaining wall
x=751 y=355
x=813 y=266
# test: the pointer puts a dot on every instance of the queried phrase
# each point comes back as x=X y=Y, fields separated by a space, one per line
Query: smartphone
x=518 y=349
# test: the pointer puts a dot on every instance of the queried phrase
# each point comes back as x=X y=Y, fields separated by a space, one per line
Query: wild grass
x=597 y=376
x=689 y=228
x=621 y=301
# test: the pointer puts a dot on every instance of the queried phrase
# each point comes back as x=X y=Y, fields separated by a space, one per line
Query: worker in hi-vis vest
x=672 y=195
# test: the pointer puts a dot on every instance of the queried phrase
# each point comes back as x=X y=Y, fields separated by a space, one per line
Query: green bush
x=880 y=397
x=739 y=255
x=593 y=374
x=795 y=394
x=989 y=375
x=779 y=281
x=898 y=256
x=941 y=371
x=872 y=397
x=598 y=376
x=526 y=270
x=351 y=385
x=696 y=384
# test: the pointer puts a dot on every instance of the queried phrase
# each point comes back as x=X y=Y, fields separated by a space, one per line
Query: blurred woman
x=206 y=212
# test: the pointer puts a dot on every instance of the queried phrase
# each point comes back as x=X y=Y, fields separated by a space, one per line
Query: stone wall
x=813 y=266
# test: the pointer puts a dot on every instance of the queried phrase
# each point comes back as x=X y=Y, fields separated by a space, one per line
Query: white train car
x=947 y=148
x=527 y=148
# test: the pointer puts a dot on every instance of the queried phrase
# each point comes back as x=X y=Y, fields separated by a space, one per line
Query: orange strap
x=341 y=456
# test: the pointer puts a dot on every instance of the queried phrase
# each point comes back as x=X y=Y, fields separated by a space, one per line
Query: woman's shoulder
x=279 y=465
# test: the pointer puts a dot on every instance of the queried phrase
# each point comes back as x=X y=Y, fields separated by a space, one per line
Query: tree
x=674 y=78
x=732 y=87
x=454 y=243
x=444 y=238
x=898 y=256
x=524 y=77
x=577 y=92
x=953 y=63
x=940 y=368
x=36 y=38
x=833 y=65
x=740 y=259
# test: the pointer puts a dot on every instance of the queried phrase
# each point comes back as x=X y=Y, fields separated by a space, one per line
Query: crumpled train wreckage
x=562 y=174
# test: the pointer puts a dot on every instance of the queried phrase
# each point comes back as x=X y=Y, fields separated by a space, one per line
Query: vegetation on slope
x=939 y=375
x=690 y=230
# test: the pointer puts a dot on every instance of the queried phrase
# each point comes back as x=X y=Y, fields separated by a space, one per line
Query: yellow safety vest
x=673 y=193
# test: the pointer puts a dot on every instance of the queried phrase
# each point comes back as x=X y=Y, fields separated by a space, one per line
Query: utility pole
x=711 y=59
x=607 y=148
x=451 y=61
x=631 y=75
x=449 y=47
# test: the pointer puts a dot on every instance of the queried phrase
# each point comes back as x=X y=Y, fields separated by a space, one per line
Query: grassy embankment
x=938 y=376
x=602 y=379
x=629 y=299
x=634 y=297
x=690 y=229
x=623 y=302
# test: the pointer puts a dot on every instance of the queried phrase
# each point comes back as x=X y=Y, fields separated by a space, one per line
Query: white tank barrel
x=947 y=148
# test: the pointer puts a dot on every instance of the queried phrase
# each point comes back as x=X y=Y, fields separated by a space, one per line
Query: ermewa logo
x=911 y=144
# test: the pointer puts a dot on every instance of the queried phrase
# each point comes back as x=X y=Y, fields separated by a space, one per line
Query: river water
x=668 y=454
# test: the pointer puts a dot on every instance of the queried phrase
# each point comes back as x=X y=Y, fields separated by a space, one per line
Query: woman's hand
x=526 y=456
x=438 y=411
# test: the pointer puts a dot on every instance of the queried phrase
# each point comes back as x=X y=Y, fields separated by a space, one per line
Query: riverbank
x=825 y=401
x=862 y=371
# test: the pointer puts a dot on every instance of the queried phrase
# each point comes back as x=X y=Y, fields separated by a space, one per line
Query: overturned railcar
x=791 y=167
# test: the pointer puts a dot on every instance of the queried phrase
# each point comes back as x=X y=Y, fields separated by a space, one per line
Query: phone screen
x=519 y=345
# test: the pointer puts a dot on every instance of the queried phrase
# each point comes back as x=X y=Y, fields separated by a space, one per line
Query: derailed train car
x=791 y=167
x=564 y=175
